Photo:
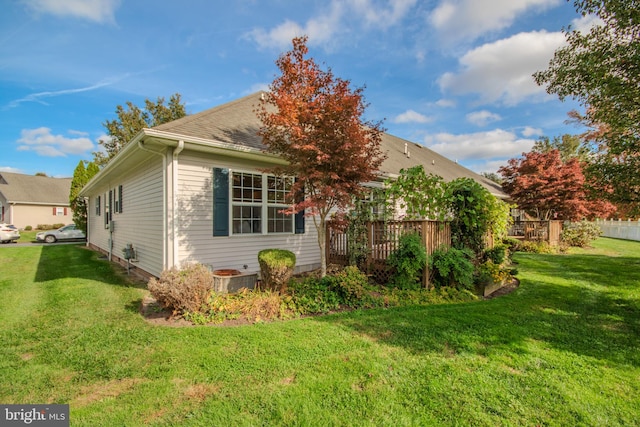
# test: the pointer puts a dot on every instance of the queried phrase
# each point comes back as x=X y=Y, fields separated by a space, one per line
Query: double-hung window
x=247 y=195
x=277 y=220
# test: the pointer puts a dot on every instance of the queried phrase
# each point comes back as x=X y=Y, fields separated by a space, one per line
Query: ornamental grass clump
x=184 y=290
x=276 y=268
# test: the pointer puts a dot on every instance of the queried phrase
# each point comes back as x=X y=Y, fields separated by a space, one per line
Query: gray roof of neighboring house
x=31 y=189
x=236 y=123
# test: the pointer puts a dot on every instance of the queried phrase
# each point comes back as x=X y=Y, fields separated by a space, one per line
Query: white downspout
x=174 y=202
x=164 y=200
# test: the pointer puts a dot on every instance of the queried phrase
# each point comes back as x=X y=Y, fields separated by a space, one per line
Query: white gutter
x=140 y=145
x=20 y=202
x=217 y=147
x=174 y=202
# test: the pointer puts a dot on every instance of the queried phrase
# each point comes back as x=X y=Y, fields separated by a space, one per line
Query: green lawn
x=561 y=350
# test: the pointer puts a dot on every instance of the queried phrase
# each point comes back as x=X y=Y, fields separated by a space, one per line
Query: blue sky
x=454 y=75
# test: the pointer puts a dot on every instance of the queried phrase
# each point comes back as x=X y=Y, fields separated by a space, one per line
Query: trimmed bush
x=183 y=290
x=276 y=268
x=28 y=228
x=580 y=233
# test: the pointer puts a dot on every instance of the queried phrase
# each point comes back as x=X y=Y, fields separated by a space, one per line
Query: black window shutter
x=220 y=202
x=120 y=198
x=299 y=217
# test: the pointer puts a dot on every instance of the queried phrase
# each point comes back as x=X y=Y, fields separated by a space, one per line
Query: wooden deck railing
x=546 y=231
x=382 y=238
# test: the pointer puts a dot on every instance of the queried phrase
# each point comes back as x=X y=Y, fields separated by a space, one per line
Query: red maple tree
x=314 y=121
x=547 y=187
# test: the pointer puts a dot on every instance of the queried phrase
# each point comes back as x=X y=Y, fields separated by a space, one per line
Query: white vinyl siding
x=195 y=223
x=141 y=222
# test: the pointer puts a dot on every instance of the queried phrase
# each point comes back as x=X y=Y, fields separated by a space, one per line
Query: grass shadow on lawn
x=575 y=304
x=78 y=261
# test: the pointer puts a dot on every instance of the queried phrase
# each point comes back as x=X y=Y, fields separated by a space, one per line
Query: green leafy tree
x=569 y=147
x=601 y=69
x=420 y=195
x=475 y=212
x=493 y=177
x=132 y=119
x=314 y=121
x=81 y=175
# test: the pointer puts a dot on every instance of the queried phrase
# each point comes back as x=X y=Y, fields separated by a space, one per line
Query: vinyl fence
x=629 y=230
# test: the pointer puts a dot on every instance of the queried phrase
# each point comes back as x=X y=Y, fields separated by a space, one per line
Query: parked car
x=8 y=233
x=68 y=232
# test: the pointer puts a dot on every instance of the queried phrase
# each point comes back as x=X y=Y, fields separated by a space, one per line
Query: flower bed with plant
x=346 y=289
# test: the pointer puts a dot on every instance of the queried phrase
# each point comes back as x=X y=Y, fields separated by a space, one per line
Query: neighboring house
x=195 y=190
x=33 y=200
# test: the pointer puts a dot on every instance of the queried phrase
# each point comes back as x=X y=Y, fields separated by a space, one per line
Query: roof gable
x=20 y=188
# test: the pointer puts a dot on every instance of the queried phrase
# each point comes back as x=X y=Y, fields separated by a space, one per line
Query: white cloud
x=379 y=16
x=446 y=103
x=9 y=169
x=411 y=116
x=322 y=28
x=482 y=118
x=502 y=71
x=467 y=19
x=585 y=23
x=529 y=131
x=497 y=143
x=100 y=11
x=44 y=143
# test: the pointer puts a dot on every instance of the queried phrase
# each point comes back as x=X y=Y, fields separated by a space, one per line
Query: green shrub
x=497 y=254
x=536 y=247
x=276 y=268
x=28 y=228
x=511 y=243
x=352 y=287
x=452 y=267
x=489 y=272
x=58 y=225
x=311 y=295
x=580 y=233
x=408 y=261
x=183 y=290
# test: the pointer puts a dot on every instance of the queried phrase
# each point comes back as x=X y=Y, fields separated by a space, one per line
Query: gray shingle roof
x=236 y=123
x=233 y=123
x=20 y=188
